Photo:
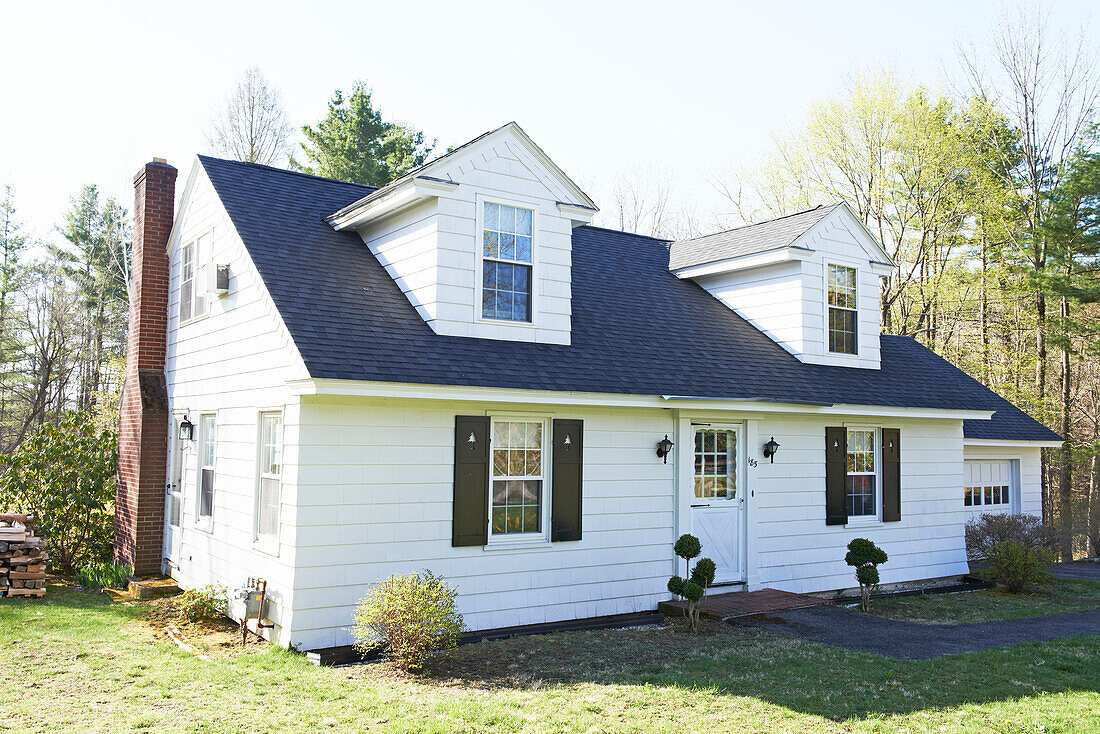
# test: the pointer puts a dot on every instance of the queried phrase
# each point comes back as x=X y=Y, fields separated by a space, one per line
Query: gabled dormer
x=480 y=239
x=810 y=281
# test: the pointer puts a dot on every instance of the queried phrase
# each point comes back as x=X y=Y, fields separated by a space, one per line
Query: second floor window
x=507 y=263
x=842 y=309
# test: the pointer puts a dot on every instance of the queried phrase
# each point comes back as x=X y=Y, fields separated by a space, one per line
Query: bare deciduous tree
x=251 y=124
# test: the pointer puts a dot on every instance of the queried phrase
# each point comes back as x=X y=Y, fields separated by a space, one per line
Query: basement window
x=506 y=262
x=842 y=309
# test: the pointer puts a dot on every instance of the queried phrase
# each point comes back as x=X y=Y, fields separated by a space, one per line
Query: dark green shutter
x=891 y=475
x=470 y=514
x=836 y=453
x=567 y=468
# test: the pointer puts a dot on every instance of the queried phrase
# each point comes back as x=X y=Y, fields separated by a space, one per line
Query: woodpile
x=23 y=557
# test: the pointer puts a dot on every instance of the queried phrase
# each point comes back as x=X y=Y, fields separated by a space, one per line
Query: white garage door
x=989 y=486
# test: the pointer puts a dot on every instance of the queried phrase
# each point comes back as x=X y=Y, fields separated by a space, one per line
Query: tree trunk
x=1094 y=506
x=986 y=377
x=1065 y=478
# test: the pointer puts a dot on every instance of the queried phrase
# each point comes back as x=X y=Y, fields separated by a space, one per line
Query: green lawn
x=78 y=663
x=1063 y=595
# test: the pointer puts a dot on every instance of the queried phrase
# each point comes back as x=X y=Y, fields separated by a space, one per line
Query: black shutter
x=836 y=453
x=891 y=475
x=568 y=460
x=470 y=514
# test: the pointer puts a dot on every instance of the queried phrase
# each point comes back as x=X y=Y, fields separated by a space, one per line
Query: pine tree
x=354 y=143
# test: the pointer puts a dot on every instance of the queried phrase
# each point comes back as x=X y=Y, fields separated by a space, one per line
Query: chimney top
x=159 y=160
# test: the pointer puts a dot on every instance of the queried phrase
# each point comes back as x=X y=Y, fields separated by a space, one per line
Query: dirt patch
x=219 y=638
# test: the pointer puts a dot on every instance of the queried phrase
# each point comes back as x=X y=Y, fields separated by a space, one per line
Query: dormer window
x=842 y=309
x=506 y=262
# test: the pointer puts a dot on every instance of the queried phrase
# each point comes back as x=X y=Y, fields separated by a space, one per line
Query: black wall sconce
x=187 y=430
x=770 y=448
x=664 y=448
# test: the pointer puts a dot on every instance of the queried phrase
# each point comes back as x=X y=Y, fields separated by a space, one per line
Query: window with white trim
x=207 y=451
x=192 y=258
x=187 y=281
x=518 y=479
x=842 y=310
x=270 y=481
x=506 y=262
x=861 y=468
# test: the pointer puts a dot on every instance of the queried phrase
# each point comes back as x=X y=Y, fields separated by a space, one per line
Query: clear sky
x=90 y=91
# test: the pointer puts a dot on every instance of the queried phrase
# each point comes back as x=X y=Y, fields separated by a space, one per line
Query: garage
x=990 y=485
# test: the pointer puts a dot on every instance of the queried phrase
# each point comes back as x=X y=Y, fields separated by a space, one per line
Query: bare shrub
x=986 y=531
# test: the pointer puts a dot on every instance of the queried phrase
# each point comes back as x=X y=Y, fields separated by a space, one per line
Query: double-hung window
x=193 y=256
x=506 y=262
x=861 y=480
x=207 y=450
x=268 y=499
x=518 y=477
x=187 y=282
x=842 y=310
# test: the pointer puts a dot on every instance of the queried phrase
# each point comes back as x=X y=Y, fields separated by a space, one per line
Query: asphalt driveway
x=909 y=641
x=1086 y=570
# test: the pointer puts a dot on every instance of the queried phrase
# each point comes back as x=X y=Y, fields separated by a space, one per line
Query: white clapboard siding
x=375 y=493
x=791 y=547
x=432 y=250
x=769 y=297
x=232 y=363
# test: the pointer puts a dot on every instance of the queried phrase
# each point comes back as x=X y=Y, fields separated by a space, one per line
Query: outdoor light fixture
x=770 y=448
x=187 y=430
x=664 y=448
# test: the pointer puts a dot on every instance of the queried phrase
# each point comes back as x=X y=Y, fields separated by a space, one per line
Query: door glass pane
x=715 y=464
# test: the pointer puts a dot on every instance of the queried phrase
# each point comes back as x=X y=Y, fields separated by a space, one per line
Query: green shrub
x=413 y=615
x=1016 y=567
x=64 y=475
x=203 y=603
x=103 y=576
x=987 y=530
x=865 y=556
x=694 y=587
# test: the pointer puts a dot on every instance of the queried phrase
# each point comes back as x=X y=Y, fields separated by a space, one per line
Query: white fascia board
x=362 y=388
x=577 y=214
x=744 y=262
x=409 y=193
x=185 y=200
x=1005 y=443
x=882 y=260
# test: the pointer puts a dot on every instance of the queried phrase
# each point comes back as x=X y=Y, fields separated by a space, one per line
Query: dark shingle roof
x=636 y=328
x=747 y=240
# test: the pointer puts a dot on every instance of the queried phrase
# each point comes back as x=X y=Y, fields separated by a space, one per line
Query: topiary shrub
x=203 y=603
x=865 y=556
x=985 y=531
x=694 y=588
x=413 y=615
x=1016 y=566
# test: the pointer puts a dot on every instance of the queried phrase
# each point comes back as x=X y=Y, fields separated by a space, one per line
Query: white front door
x=718 y=499
x=173 y=511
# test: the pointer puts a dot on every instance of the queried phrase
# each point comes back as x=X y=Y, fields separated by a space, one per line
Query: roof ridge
x=757 y=224
x=623 y=231
x=276 y=169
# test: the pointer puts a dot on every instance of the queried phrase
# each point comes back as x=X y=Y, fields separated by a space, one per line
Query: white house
x=457 y=372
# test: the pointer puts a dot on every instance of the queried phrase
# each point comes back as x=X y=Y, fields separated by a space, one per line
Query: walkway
x=910 y=641
x=734 y=604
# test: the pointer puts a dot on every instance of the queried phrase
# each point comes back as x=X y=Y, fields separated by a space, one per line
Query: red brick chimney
x=143 y=425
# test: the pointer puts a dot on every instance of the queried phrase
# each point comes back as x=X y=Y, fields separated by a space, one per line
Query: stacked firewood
x=23 y=557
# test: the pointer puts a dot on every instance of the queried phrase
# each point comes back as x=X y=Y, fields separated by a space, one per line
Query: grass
x=77 y=662
x=1063 y=595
